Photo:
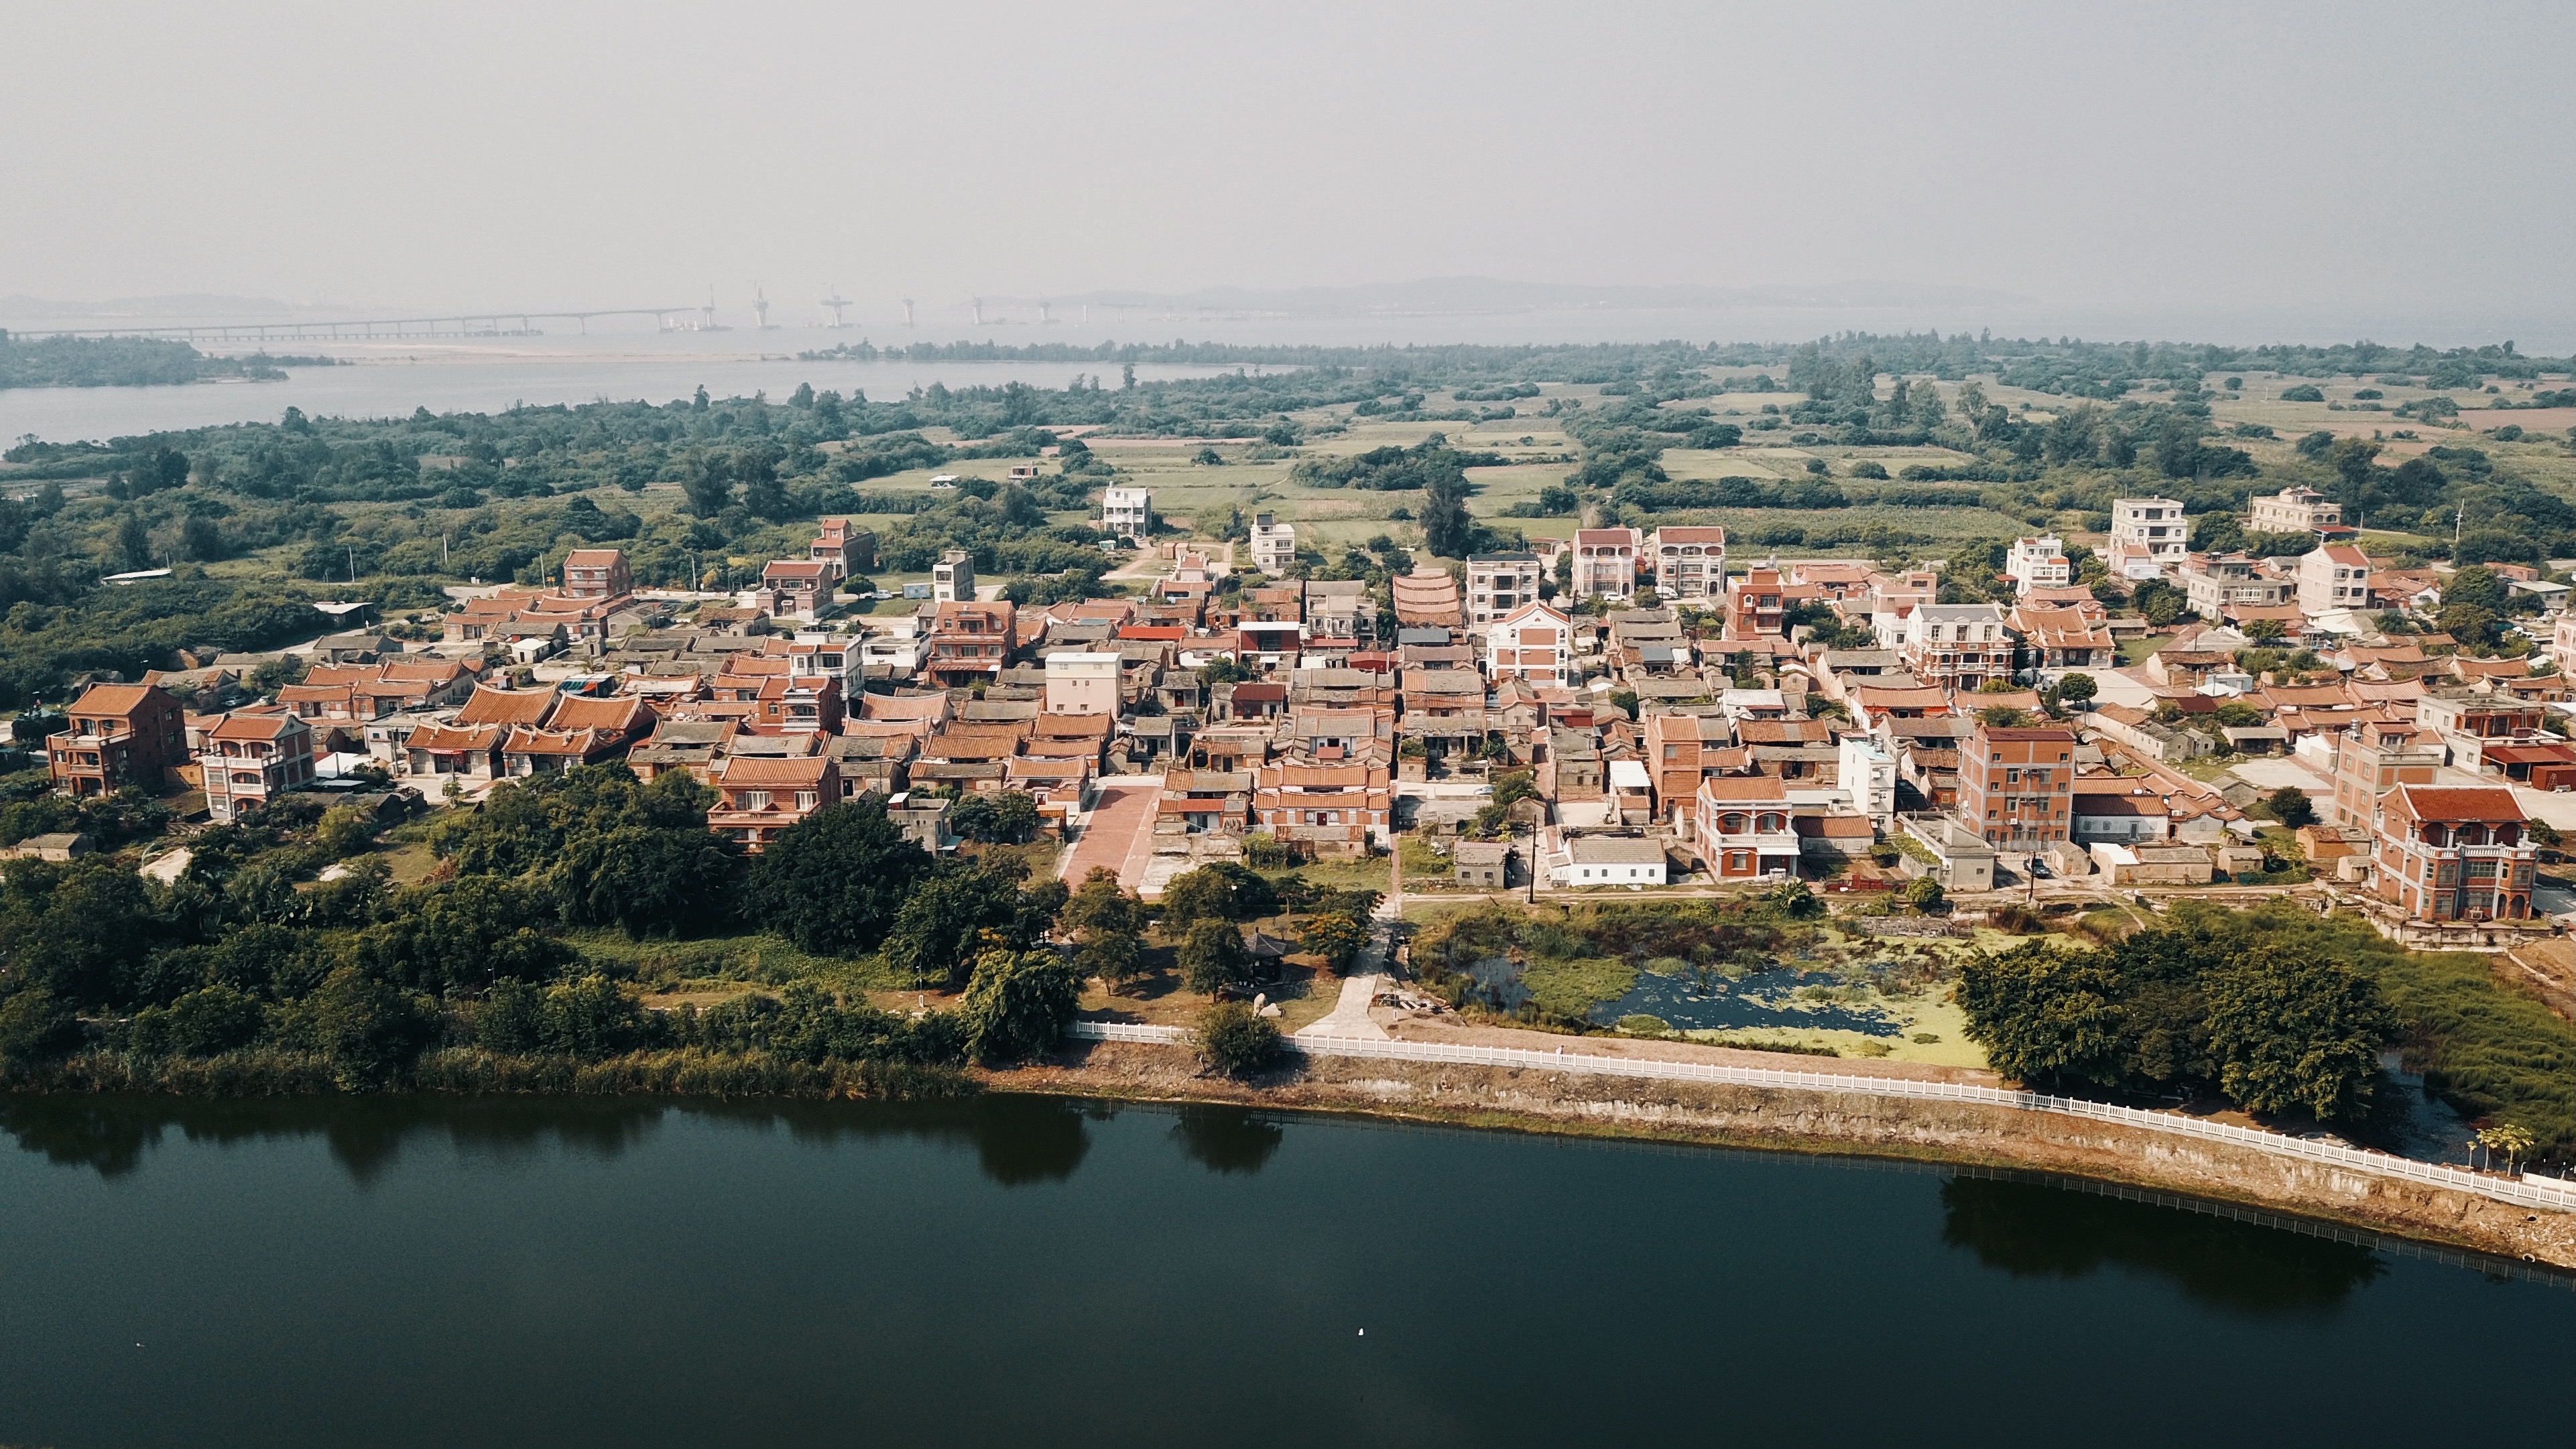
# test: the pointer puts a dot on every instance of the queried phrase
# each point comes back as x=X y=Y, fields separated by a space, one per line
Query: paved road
x=1120 y=833
x=1350 y=1014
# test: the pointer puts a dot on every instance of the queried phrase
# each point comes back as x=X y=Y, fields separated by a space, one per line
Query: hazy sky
x=2397 y=159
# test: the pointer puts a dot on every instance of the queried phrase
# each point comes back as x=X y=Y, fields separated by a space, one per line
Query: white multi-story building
x=1689 y=561
x=1498 y=583
x=1533 y=642
x=1954 y=646
x=952 y=579
x=2039 y=563
x=1274 y=545
x=2148 y=533
x=1868 y=776
x=2336 y=576
x=1127 y=512
x=2294 y=510
x=1605 y=562
x=1082 y=683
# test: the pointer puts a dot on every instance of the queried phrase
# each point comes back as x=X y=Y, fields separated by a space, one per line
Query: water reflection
x=2035 y=1230
x=1227 y=1140
x=1017 y=1140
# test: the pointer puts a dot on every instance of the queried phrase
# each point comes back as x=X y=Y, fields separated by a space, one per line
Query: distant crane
x=760 y=306
x=907 y=311
x=708 y=312
x=836 y=302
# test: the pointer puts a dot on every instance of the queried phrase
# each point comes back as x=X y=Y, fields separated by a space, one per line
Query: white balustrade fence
x=2524 y=1192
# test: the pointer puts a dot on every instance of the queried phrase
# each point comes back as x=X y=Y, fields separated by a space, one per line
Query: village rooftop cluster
x=1655 y=717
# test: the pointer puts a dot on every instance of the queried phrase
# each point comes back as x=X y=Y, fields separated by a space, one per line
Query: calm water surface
x=1020 y=1270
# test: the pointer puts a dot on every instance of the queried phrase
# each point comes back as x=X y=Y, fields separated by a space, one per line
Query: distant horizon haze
x=2187 y=171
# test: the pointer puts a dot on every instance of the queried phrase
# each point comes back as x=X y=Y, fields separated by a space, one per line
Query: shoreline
x=1820 y=1124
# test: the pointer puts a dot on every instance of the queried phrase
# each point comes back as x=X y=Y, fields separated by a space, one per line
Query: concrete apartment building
x=952 y=579
x=2223 y=584
x=2039 y=563
x=1082 y=684
x=1605 y=562
x=2376 y=758
x=1689 y=561
x=1533 y=643
x=1497 y=584
x=2294 y=510
x=2150 y=528
x=1274 y=545
x=2016 y=784
x=2336 y=576
x=1950 y=646
x=1128 y=513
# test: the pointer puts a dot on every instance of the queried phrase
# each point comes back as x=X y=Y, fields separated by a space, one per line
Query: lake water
x=622 y=361
x=389 y=380
x=1022 y=1271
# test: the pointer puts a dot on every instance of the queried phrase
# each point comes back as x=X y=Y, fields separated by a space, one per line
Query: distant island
x=130 y=362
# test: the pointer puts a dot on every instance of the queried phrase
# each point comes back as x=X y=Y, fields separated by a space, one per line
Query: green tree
x=206 y=1022
x=1017 y=1004
x=2077 y=687
x=346 y=830
x=1221 y=891
x=649 y=881
x=36 y=1026
x=709 y=487
x=1105 y=923
x=2291 y=806
x=964 y=909
x=1448 y=530
x=2043 y=1015
x=1238 y=1041
x=1212 y=958
x=835 y=881
x=1923 y=893
x=2295 y=1031
x=1007 y=818
x=370 y=1032
x=133 y=542
x=1337 y=938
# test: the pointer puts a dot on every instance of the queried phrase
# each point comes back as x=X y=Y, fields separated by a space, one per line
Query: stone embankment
x=1820 y=1121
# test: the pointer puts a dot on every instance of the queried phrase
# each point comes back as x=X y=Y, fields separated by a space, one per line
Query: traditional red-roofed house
x=765 y=795
x=970 y=641
x=1333 y=809
x=2453 y=853
x=1740 y=827
x=596 y=573
x=459 y=751
x=795 y=589
x=121 y=734
x=253 y=756
x=845 y=546
x=1754 y=605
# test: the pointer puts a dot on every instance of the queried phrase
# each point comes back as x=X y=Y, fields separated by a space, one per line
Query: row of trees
x=2212 y=1006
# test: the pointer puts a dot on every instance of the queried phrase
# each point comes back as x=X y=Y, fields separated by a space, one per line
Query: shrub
x=1238 y=1041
